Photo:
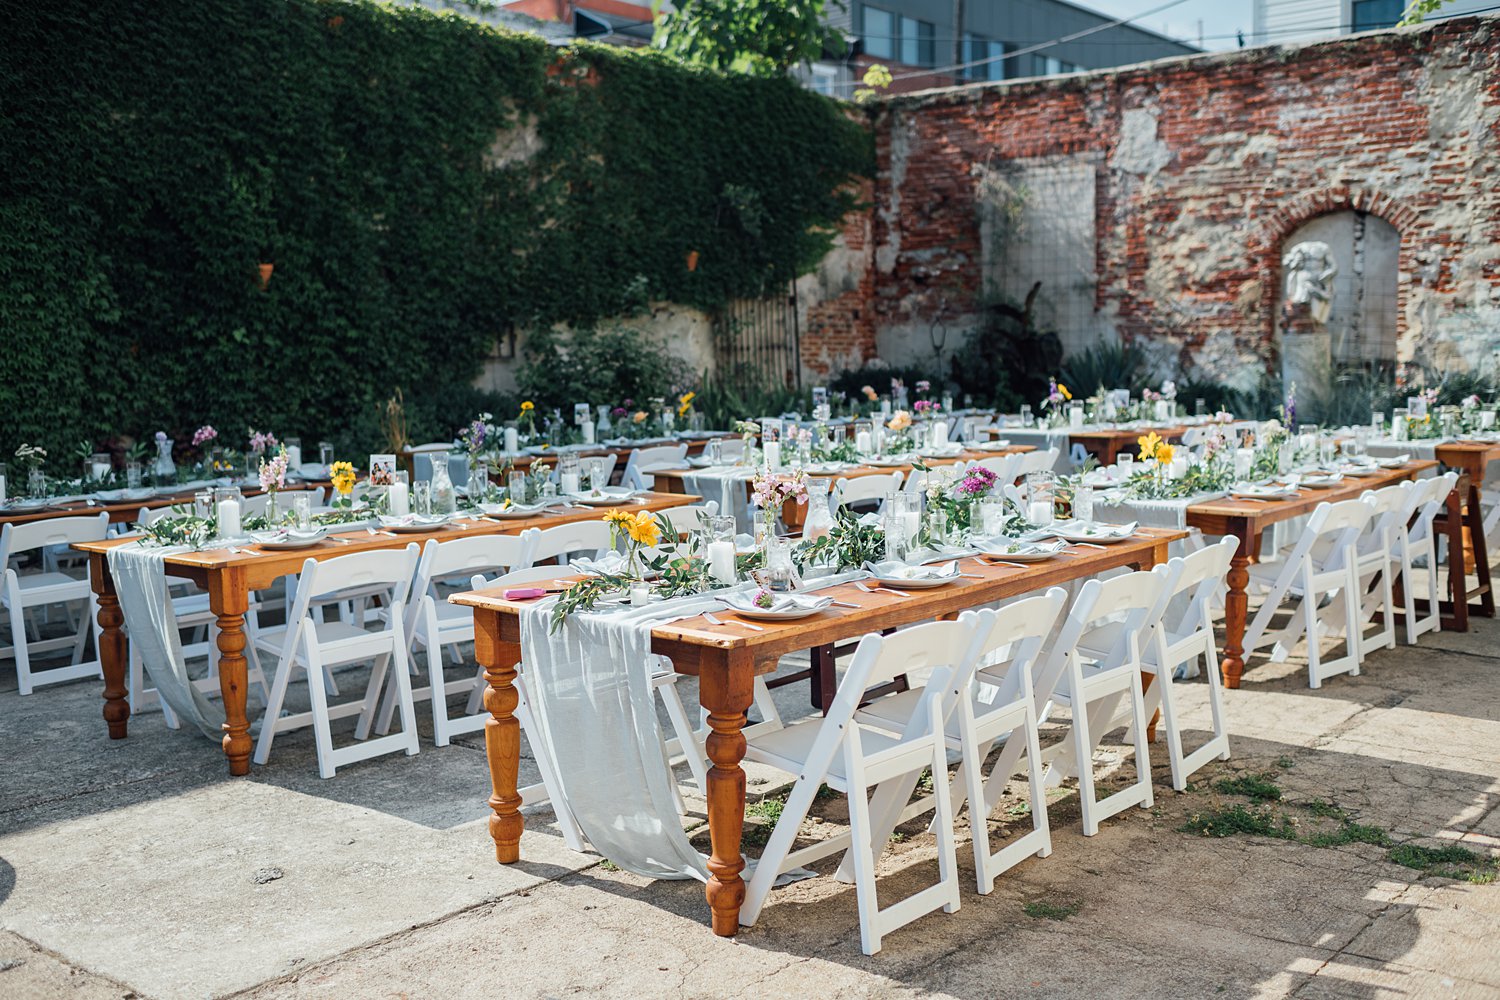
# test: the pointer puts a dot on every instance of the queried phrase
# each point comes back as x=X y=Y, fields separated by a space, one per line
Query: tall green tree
x=758 y=37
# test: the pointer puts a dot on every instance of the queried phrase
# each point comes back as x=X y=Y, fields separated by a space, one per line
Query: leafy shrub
x=1006 y=361
x=599 y=366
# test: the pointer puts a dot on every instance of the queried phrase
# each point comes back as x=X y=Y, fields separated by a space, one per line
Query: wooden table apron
x=1106 y=444
x=621 y=451
x=794 y=515
x=726 y=661
x=1245 y=520
x=229 y=579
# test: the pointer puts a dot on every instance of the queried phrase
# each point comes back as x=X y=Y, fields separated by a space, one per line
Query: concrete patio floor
x=138 y=868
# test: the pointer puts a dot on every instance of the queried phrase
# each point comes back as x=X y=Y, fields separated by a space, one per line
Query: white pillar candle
x=1486 y=421
x=640 y=595
x=939 y=433
x=98 y=470
x=1039 y=512
x=398 y=496
x=512 y=441
x=1163 y=410
x=1075 y=418
x=773 y=455
x=2 y=489
x=1178 y=468
x=885 y=409
x=229 y=518
x=569 y=482
x=721 y=561
x=862 y=442
x=294 y=457
x=1244 y=461
x=588 y=433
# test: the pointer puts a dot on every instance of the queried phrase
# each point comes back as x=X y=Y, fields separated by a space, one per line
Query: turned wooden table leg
x=114 y=648
x=1475 y=516
x=502 y=734
x=725 y=690
x=1236 y=607
x=1458 y=583
x=228 y=599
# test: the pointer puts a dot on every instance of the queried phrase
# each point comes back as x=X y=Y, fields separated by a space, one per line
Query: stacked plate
x=779 y=607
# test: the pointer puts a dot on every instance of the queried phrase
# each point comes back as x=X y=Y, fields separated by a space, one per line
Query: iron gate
x=759 y=339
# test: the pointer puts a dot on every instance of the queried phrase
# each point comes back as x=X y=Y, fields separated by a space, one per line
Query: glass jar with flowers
x=255 y=450
x=769 y=491
x=343 y=477
x=1055 y=403
x=32 y=458
x=636 y=531
x=273 y=480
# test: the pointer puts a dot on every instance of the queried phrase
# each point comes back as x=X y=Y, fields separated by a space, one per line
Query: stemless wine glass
x=1083 y=503
x=133 y=475
x=595 y=467
x=1125 y=462
x=517 y=487
x=992 y=516
x=713 y=452
x=421 y=497
x=302 y=508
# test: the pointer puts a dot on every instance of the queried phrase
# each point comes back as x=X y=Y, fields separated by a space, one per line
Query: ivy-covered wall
x=420 y=182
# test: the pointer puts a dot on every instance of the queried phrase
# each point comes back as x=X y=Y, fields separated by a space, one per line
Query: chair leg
x=1083 y=749
x=686 y=739
x=862 y=856
x=273 y=710
x=371 y=699
x=322 y=728
x=440 y=735
x=19 y=641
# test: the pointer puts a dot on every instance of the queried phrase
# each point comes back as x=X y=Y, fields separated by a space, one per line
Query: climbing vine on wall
x=418 y=183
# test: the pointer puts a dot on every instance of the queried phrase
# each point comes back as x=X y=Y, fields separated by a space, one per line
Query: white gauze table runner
x=725 y=484
x=140 y=579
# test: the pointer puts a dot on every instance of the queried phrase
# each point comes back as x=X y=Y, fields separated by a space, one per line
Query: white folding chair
x=1416 y=539
x=1183 y=638
x=1095 y=677
x=192 y=613
x=642 y=460
x=308 y=645
x=1000 y=708
x=1321 y=565
x=432 y=623
x=24 y=592
x=1036 y=461
x=1377 y=558
x=587 y=538
x=1003 y=466
x=968 y=428
x=848 y=491
x=854 y=758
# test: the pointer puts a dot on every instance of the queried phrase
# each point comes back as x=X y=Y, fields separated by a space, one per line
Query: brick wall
x=1203 y=166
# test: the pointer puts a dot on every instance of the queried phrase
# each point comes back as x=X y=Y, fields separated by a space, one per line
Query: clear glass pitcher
x=819 y=518
x=444 y=500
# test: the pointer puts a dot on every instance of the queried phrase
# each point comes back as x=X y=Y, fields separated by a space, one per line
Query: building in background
x=1282 y=21
x=1009 y=40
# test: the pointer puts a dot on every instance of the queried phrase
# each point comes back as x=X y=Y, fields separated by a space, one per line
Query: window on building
x=1369 y=15
x=917 y=48
x=824 y=79
x=879 y=33
x=977 y=49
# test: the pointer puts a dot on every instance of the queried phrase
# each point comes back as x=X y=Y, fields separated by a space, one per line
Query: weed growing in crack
x=1255 y=787
x=1041 y=909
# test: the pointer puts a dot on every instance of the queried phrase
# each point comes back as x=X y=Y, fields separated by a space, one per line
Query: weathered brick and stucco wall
x=1154 y=202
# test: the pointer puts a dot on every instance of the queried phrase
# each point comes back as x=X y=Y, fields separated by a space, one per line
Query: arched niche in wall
x=1336 y=298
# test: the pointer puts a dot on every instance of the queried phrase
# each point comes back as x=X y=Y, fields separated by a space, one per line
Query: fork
x=871 y=590
x=244 y=552
x=714 y=619
x=1089 y=545
x=388 y=534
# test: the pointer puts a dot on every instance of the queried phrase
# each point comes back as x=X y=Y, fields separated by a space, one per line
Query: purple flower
x=161 y=436
x=977 y=482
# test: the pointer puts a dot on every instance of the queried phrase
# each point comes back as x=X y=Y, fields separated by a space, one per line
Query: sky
x=1218 y=17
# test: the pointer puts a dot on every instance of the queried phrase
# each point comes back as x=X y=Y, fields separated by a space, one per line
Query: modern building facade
x=1280 y=21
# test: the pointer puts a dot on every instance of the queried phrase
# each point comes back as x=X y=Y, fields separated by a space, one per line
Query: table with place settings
x=230 y=572
x=726 y=654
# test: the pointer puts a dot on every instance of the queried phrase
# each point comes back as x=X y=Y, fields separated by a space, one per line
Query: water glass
x=1027 y=418
x=517 y=487
x=133 y=475
x=421 y=493
x=325 y=453
x=1125 y=462
x=1083 y=503
x=1399 y=426
x=778 y=564
x=992 y=516
x=302 y=508
x=1377 y=422
x=713 y=452
x=1200 y=407
x=595 y=468
x=203 y=503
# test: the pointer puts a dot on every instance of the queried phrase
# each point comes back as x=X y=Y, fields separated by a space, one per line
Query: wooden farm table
x=1469 y=459
x=1246 y=519
x=727 y=659
x=525 y=461
x=793 y=515
x=229 y=578
x=126 y=511
x=1106 y=443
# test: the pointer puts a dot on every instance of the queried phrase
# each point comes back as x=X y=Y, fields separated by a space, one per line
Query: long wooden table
x=126 y=511
x=229 y=578
x=1105 y=443
x=726 y=661
x=794 y=515
x=525 y=460
x=1246 y=519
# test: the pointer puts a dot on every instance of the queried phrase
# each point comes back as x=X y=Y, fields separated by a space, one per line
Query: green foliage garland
x=420 y=183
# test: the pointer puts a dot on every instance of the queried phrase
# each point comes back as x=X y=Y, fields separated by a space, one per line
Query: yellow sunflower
x=527 y=406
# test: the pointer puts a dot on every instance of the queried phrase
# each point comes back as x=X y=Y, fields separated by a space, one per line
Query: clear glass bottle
x=819 y=518
x=166 y=469
x=444 y=499
x=602 y=426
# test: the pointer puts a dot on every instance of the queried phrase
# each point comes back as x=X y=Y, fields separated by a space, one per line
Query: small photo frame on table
x=581 y=414
x=382 y=470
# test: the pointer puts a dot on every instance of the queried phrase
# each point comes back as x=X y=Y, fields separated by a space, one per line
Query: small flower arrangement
x=1057 y=395
x=1153 y=448
x=273 y=473
x=342 y=474
x=527 y=416
x=927 y=407
x=685 y=403
x=923 y=387
x=771 y=490
x=977 y=482
x=869 y=392
x=763 y=599
x=204 y=435
x=639 y=530
x=900 y=421
x=473 y=438
x=261 y=442
x=32 y=456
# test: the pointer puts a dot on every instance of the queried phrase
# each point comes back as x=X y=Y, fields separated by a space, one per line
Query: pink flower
x=924 y=386
x=261 y=441
x=273 y=473
x=203 y=435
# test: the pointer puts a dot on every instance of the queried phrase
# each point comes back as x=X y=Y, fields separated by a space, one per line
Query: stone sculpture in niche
x=1309 y=271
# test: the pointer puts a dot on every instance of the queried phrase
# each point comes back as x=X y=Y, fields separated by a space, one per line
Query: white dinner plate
x=289 y=540
x=1096 y=534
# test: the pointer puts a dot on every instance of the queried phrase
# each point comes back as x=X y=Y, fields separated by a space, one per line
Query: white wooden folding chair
x=308 y=645
x=864 y=490
x=855 y=758
x=560 y=542
x=432 y=624
x=1416 y=540
x=1183 y=638
x=1094 y=668
x=1000 y=708
x=23 y=593
x=1036 y=461
x=1319 y=567
x=1377 y=558
x=642 y=460
x=1003 y=466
